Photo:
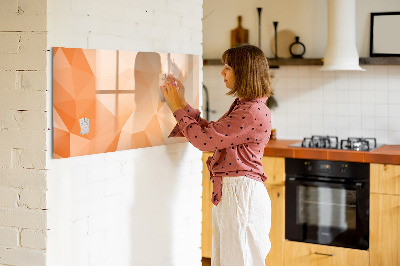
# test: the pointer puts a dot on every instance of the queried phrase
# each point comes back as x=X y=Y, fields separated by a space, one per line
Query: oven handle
x=357 y=185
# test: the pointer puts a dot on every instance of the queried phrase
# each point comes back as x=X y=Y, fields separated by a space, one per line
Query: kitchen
x=316 y=103
x=98 y=207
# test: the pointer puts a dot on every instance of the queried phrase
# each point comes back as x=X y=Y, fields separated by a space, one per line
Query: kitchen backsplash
x=314 y=102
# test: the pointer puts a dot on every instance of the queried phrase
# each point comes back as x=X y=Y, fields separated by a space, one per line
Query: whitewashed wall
x=305 y=18
x=135 y=207
x=22 y=132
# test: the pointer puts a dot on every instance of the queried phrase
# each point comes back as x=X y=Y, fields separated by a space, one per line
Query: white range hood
x=341 y=51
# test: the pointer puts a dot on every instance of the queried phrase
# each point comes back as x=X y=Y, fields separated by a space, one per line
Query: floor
x=206 y=261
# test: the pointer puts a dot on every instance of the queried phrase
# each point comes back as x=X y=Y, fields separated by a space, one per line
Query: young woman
x=242 y=209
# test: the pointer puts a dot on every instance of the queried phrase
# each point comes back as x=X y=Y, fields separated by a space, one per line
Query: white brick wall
x=23 y=132
x=100 y=206
x=9 y=237
x=23 y=178
x=23 y=218
x=134 y=207
x=33 y=239
x=23 y=15
x=9 y=197
x=11 y=256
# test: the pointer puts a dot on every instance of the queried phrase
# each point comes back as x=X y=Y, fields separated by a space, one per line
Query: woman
x=242 y=208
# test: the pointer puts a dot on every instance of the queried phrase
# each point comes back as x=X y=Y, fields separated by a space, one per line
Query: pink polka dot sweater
x=238 y=139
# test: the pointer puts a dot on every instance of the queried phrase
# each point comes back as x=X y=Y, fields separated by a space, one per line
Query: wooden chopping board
x=239 y=35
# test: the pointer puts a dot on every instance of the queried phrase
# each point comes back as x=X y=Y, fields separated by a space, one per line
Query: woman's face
x=229 y=76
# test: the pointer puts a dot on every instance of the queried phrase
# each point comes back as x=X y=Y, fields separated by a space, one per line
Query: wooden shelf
x=380 y=61
x=274 y=63
x=212 y=62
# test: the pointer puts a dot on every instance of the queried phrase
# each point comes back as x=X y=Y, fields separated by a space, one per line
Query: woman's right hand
x=181 y=91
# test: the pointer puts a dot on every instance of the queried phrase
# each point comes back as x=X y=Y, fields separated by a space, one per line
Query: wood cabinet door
x=384 y=236
x=277 y=233
x=206 y=225
x=274 y=168
x=305 y=254
x=385 y=178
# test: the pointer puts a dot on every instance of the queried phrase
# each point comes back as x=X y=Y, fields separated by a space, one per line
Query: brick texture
x=23 y=125
x=101 y=192
x=17 y=256
x=33 y=199
x=9 y=237
x=23 y=218
x=8 y=197
x=33 y=239
x=90 y=197
x=23 y=178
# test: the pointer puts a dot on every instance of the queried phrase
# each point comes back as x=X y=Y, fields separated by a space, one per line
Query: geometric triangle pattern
x=109 y=100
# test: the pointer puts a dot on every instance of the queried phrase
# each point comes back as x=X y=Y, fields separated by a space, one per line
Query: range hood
x=341 y=51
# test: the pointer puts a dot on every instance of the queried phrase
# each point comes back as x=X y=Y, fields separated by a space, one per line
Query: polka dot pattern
x=238 y=139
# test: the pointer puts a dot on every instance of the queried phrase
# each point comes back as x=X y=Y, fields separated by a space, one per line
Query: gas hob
x=332 y=142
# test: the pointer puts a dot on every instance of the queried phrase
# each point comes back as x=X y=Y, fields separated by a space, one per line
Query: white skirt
x=241 y=223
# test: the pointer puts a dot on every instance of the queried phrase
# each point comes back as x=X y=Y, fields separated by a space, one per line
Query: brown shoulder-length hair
x=250 y=66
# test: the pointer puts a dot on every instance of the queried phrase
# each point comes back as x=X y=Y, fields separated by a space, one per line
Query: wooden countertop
x=389 y=154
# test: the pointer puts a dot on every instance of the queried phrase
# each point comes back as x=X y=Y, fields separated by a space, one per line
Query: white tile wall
x=312 y=102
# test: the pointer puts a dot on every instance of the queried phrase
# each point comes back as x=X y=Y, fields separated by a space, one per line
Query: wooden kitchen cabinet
x=277 y=233
x=206 y=225
x=305 y=254
x=385 y=178
x=384 y=236
x=274 y=168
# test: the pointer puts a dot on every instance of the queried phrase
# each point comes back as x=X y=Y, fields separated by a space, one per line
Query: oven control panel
x=325 y=167
x=338 y=169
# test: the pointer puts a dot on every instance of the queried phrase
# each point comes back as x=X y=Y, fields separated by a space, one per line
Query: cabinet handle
x=324 y=254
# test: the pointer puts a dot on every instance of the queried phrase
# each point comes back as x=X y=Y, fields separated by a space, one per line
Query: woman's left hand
x=171 y=95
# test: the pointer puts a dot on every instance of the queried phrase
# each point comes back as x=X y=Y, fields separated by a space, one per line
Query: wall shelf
x=380 y=61
x=274 y=63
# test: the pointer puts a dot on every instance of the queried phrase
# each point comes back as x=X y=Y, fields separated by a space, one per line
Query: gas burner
x=332 y=142
x=327 y=142
x=358 y=144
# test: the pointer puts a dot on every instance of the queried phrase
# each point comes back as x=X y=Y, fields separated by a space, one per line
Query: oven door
x=327 y=213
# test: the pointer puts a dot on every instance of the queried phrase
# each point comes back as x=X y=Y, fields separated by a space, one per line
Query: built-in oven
x=327 y=202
